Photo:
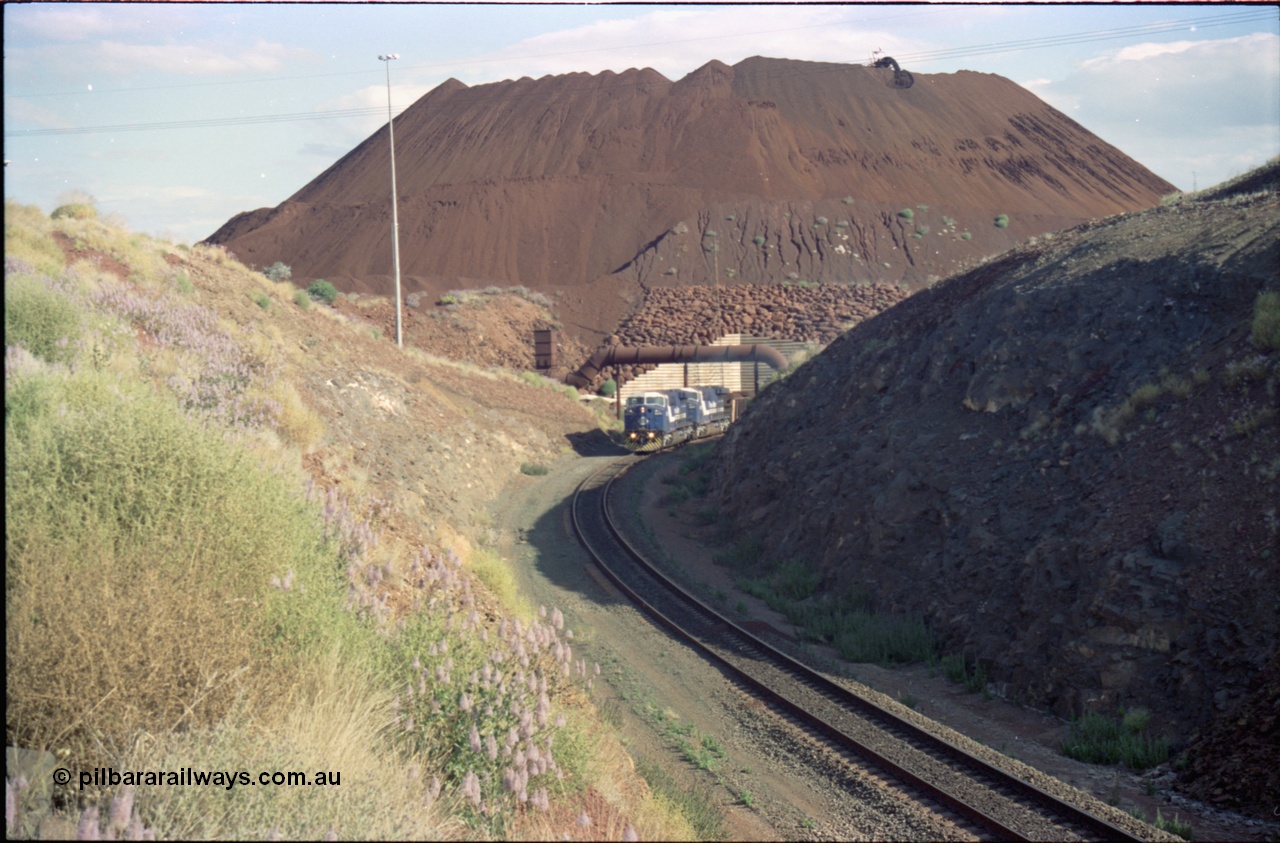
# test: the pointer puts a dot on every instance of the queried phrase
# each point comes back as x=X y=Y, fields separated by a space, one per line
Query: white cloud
x=74 y=21
x=1180 y=103
x=342 y=135
x=676 y=42
x=1196 y=87
x=194 y=59
x=1141 y=52
x=29 y=115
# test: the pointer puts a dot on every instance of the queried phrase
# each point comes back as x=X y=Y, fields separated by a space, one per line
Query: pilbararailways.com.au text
x=104 y=777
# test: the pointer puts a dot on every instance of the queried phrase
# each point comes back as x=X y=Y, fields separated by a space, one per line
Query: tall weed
x=40 y=315
x=1099 y=739
x=140 y=550
x=338 y=720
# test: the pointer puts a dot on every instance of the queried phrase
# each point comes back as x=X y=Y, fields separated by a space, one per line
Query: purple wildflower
x=11 y=797
x=120 y=810
x=491 y=747
x=88 y=828
x=471 y=788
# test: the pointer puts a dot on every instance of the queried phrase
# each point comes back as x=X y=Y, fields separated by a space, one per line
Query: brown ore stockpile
x=1066 y=461
x=600 y=186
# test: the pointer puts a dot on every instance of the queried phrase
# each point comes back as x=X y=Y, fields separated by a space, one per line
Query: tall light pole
x=395 y=219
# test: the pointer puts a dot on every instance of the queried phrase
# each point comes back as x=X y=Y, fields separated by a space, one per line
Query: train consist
x=656 y=420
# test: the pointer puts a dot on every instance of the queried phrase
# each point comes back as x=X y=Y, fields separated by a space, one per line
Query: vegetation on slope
x=178 y=596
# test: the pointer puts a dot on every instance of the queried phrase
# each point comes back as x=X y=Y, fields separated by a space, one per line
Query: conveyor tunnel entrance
x=619 y=355
x=742 y=384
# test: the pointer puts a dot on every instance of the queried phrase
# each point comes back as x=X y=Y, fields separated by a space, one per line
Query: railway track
x=983 y=797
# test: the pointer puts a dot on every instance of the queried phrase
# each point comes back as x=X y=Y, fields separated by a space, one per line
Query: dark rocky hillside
x=1067 y=459
x=598 y=187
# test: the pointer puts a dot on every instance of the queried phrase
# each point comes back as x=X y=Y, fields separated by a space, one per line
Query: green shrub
x=1266 y=321
x=1002 y=221
x=322 y=290
x=40 y=318
x=956 y=668
x=1146 y=395
x=758 y=239
x=28 y=237
x=907 y=214
x=1174 y=826
x=533 y=469
x=262 y=300
x=882 y=639
x=278 y=272
x=966 y=236
x=1099 y=739
x=301 y=299
x=609 y=388
x=75 y=211
x=139 y=552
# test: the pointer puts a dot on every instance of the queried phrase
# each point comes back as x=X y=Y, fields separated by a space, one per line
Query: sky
x=175 y=117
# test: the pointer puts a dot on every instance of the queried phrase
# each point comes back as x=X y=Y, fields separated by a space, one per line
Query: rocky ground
x=689 y=544
x=493 y=327
x=1067 y=461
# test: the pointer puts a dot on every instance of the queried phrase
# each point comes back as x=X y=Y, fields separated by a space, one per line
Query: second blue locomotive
x=656 y=420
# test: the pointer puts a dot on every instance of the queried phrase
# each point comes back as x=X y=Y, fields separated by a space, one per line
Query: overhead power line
x=201 y=124
x=1239 y=16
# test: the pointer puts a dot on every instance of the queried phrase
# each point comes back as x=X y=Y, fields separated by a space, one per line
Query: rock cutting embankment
x=1066 y=460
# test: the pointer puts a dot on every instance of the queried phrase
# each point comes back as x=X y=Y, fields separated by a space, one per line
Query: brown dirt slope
x=596 y=182
x=1066 y=460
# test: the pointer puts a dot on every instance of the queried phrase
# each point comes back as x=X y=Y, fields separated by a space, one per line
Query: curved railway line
x=979 y=796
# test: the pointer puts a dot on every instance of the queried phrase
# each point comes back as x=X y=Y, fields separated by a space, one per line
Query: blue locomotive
x=656 y=420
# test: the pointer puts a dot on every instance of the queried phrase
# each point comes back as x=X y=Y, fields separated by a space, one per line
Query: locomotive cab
x=654 y=420
x=647 y=420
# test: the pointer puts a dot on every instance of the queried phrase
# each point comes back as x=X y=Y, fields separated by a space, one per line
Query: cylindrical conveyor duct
x=619 y=355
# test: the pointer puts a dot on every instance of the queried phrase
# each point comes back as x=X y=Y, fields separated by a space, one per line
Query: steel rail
x=600 y=484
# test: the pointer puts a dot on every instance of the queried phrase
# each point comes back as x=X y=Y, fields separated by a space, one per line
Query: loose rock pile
x=701 y=315
x=816 y=314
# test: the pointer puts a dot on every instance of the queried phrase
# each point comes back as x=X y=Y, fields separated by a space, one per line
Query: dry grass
x=334 y=722
x=298 y=424
x=147 y=626
x=495 y=572
x=138 y=556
